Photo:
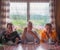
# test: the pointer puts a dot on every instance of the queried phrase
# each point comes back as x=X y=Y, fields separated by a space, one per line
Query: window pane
x=39 y=13
x=18 y=14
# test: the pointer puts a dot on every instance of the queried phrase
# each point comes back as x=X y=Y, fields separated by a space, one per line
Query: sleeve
x=54 y=36
x=17 y=35
x=42 y=37
x=2 y=36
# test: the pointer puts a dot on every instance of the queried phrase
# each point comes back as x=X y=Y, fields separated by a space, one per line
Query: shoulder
x=43 y=32
x=54 y=32
x=34 y=31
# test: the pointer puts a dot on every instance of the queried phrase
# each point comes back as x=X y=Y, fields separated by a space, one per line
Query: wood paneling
x=29 y=0
x=57 y=13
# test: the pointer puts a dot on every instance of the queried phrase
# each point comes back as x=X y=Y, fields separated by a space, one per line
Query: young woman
x=30 y=36
x=48 y=35
x=10 y=36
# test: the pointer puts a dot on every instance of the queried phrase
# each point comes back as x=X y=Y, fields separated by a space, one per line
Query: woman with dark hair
x=10 y=36
x=48 y=35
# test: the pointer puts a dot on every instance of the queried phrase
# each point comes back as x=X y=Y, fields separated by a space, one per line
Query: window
x=39 y=14
x=18 y=14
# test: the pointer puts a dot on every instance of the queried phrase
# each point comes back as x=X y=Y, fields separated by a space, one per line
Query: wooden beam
x=29 y=0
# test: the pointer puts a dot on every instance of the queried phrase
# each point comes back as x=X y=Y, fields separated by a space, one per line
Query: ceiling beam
x=29 y=0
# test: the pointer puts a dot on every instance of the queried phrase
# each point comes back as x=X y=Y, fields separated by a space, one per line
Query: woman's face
x=48 y=28
x=9 y=28
x=29 y=27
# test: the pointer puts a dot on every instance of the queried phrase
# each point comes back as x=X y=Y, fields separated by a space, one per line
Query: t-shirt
x=11 y=37
x=45 y=37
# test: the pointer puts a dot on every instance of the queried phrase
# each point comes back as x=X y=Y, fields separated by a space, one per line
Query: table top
x=31 y=47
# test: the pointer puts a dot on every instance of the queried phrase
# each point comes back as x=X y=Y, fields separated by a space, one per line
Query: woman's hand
x=17 y=40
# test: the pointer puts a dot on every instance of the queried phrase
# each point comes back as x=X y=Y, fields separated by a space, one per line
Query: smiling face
x=9 y=27
x=29 y=26
x=48 y=28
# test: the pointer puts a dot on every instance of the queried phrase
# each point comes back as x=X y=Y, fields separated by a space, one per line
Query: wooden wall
x=58 y=16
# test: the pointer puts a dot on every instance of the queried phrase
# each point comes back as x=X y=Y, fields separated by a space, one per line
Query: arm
x=37 y=39
x=16 y=37
x=43 y=37
x=23 y=36
x=24 y=32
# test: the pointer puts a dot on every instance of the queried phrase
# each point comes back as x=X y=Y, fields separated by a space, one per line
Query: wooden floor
x=31 y=47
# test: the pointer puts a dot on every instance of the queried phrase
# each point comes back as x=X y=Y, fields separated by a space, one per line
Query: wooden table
x=31 y=47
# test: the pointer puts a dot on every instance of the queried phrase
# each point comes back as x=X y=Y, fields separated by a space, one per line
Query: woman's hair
x=9 y=24
x=30 y=23
x=48 y=24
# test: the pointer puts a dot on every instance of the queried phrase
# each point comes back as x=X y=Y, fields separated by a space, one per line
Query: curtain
x=52 y=13
x=4 y=13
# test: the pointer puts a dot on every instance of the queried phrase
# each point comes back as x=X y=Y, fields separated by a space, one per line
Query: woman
x=10 y=36
x=48 y=35
x=30 y=36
